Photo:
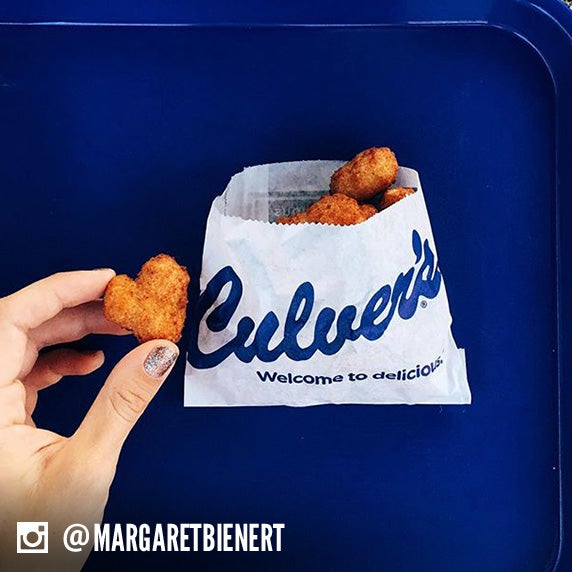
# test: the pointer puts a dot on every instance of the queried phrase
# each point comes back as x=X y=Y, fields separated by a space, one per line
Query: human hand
x=45 y=476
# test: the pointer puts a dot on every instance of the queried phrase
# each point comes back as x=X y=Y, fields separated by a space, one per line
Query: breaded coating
x=368 y=210
x=366 y=175
x=296 y=218
x=153 y=305
x=332 y=209
x=394 y=195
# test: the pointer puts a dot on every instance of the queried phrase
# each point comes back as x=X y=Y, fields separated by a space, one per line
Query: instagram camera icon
x=32 y=537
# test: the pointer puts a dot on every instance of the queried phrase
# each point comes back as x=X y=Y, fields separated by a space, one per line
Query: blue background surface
x=114 y=142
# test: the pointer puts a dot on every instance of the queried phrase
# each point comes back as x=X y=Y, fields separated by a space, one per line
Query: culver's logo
x=278 y=334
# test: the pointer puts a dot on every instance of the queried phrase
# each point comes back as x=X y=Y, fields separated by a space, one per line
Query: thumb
x=128 y=390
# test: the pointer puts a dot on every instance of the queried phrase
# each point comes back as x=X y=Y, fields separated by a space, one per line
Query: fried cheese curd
x=391 y=196
x=332 y=209
x=367 y=177
x=153 y=306
x=367 y=174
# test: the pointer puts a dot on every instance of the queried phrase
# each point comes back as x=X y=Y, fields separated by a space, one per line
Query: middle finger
x=73 y=324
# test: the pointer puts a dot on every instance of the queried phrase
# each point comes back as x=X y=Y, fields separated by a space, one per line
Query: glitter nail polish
x=159 y=360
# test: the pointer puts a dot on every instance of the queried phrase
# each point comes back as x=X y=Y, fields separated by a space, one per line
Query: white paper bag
x=309 y=314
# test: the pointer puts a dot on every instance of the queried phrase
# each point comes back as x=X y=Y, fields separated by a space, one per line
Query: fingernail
x=159 y=360
x=106 y=269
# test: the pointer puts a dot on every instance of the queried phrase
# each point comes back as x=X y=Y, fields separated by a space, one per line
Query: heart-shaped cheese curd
x=153 y=305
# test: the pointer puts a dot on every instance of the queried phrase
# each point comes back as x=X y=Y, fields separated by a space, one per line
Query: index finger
x=42 y=300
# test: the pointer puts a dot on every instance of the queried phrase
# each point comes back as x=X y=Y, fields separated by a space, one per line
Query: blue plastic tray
x=115 y=139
